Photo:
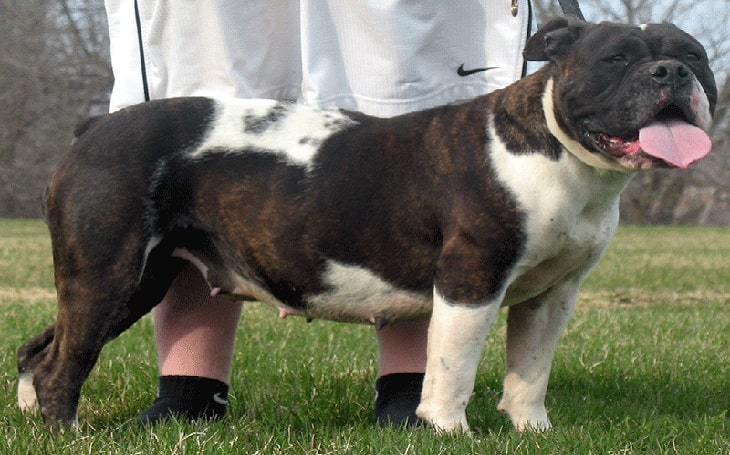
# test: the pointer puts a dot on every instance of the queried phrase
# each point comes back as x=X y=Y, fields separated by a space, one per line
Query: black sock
x=187 y=397
x=397 y=396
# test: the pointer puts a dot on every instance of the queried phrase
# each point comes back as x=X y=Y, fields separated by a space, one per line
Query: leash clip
x=514 y=8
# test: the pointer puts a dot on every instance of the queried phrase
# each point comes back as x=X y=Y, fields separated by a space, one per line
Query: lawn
x=644 y=367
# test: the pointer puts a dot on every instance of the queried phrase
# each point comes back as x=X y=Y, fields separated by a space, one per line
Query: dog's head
x=624 y=97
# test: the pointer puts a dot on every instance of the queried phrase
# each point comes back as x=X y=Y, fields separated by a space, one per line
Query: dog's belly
x=354 y=294
x=357 y=295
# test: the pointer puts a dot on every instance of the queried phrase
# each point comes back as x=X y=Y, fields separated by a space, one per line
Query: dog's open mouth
x=669 y=138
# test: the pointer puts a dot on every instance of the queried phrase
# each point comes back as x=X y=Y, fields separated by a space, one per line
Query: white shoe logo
x=219 y=399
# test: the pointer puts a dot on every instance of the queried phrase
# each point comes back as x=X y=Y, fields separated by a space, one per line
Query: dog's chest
x=570 y=217
x=554 y=253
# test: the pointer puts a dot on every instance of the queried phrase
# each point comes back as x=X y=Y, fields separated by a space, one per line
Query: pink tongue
x=676 y=142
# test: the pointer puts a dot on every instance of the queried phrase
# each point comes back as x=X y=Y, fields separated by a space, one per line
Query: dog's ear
x=553 y=39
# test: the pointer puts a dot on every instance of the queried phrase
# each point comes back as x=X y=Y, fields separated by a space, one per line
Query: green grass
x=644 y=367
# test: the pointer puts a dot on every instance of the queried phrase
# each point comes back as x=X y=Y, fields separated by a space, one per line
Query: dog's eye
x=693 y=57
x=618 y=59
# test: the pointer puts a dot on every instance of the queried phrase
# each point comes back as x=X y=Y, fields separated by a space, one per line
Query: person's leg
x=216 y=48
x=402 y=362
x=195 y=335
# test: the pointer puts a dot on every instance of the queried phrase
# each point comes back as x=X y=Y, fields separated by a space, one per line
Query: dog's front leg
x=533 y=330
x=456 y=338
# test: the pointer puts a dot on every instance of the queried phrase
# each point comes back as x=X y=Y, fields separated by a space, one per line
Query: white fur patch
x=295 y=132
x=572 y=212
x=359 y=295
x=532 y=336
x=151 y=244
x=701 y=105
x=27 y=399
x=456 y=337
x=184 y=253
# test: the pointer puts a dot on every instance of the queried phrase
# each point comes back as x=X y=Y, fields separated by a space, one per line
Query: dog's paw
x=27 y=398
x=455 y=423
x=527 y=418
x=532 y=425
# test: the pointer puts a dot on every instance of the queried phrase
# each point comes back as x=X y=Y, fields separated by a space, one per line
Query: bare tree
x=53 y=70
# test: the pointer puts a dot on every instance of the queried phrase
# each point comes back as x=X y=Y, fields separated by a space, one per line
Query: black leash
x=143 y=67
x=571 y=7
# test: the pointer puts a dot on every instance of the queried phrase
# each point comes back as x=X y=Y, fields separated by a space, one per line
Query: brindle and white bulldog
x=507 y=200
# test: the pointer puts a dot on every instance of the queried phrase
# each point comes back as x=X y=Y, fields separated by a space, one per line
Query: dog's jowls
x=507 y=200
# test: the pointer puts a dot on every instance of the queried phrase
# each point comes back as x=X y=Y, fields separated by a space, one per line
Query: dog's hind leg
x=91 y=313
x=99 y=296
x=72 y=353
x=533 y=330
x=29 y=355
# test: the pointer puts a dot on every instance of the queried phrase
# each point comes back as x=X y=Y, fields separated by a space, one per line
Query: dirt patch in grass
x=16 y=295
x=642 y=298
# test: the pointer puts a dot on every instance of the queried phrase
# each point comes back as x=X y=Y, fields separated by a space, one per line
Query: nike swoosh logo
x=463 y=73
x=218 y=398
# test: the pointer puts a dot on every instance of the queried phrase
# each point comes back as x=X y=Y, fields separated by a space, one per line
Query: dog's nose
x=669 y=73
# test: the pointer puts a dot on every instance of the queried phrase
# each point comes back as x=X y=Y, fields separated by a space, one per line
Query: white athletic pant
x=381 y=57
